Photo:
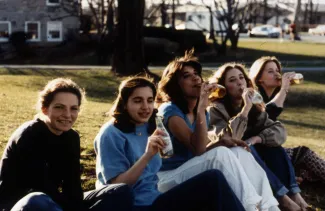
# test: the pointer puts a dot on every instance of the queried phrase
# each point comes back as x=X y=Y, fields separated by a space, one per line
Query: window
x=5 y=31
x=54 y=31
x=52 y=2
x=33 y=30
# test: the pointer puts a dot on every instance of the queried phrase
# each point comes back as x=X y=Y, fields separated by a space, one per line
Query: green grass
x=304 y=119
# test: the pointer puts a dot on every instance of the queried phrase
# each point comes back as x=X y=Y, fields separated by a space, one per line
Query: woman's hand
x=247 y=95
x=155 y=143
x=227 y=141
x=253 y=140
x=286 y=80
x=206 y=90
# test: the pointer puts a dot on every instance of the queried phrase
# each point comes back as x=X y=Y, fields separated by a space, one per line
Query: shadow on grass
x=301 y=124
x=100 y=85
x=247 y=55
x=306 y=98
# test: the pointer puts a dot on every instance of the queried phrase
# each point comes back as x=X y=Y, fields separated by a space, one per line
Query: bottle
x=168 y=150
x=297 y=79
x=257 y=98
x=219 y=92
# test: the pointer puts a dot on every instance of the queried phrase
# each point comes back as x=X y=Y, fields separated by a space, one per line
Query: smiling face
x=270 y=77
x=235 y=82
x=140 y=105
x=62 y=112
x=190 y=82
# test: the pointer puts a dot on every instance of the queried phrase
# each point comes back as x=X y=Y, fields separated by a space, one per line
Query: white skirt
x=244 y=175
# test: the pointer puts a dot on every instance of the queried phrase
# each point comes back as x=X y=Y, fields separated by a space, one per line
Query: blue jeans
x=117 y=197
x=278 y=168
x=206 y=191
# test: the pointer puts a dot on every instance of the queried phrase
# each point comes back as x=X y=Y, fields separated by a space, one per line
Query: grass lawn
x=304 y=120
x=250 y=50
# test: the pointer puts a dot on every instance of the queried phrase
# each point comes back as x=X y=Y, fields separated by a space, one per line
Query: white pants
x=244 y=175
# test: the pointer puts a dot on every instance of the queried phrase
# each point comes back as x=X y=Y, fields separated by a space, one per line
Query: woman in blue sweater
x=127 y=152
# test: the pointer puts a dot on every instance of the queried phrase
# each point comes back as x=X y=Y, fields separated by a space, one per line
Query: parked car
x=265 y=31
x=320 y=29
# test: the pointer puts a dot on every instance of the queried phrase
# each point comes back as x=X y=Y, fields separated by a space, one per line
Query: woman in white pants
x=183 y=100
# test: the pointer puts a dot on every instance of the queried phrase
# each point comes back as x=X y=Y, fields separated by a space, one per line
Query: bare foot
x=300 y=201
x=287 y=204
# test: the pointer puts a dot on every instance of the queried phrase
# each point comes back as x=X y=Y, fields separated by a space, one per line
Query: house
x=44 y=21
x=196 y=17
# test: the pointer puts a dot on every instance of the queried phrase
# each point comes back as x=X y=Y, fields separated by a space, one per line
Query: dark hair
x=168 y=87
x=122 y=119
x=257 y=69
x=55 y=86
x=220 y=76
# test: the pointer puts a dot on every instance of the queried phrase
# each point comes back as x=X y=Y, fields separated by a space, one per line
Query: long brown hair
x=220 y=76
x=258 y=66
x=168 y=87
x=122 y=119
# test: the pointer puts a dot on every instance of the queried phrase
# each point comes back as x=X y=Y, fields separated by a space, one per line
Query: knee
x=33 y=201
x=120 y=191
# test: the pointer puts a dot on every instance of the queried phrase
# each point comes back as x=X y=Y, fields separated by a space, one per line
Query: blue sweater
x=117 y=152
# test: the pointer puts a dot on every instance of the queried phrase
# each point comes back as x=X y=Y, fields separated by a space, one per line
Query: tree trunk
x=173 y=14
x=163 y=14
x=265 y=12
x=296 y=17
x=128 y=58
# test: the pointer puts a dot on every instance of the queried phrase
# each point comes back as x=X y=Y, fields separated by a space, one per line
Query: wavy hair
x=168 y=87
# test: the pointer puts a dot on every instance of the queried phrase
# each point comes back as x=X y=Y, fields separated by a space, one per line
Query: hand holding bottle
x=155 y=143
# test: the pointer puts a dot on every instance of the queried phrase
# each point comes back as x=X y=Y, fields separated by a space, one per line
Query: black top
x=35 y=159
x=271 y=108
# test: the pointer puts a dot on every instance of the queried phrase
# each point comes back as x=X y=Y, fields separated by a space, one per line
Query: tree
x=296 y=18
x=128 y=58
x=103 y=14
x=232 y=12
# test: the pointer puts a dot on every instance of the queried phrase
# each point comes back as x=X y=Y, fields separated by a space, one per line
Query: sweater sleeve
x=272 y=132
x=235 y=127
x=273 y=111
x=111 y=158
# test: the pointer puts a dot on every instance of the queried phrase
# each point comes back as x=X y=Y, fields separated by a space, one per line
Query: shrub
x=187 y=39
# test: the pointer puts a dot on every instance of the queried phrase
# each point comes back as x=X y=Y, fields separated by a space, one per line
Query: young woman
x=40 y=167
x=185 y=99
x=236 y=115
x=266 y=75
x=127 y=151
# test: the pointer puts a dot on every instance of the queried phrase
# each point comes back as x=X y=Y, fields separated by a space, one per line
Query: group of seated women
x=227 y=152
